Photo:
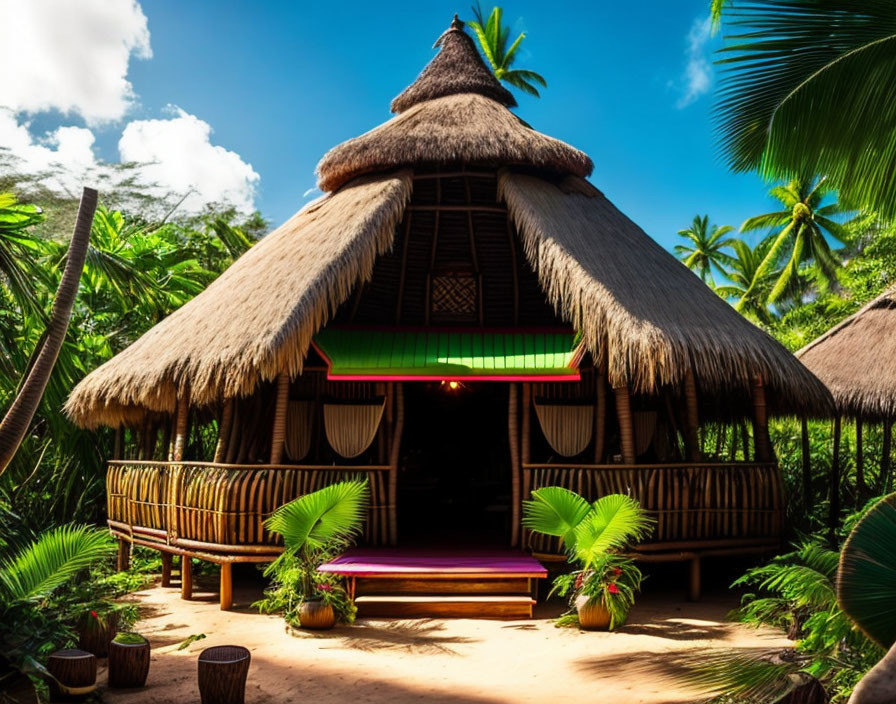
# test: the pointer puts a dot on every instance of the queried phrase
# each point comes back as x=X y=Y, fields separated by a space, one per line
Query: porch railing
x=693 y=504
x=219 y=507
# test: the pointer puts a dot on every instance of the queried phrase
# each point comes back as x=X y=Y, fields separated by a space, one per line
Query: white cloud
x=176 y=158
x=697 y=77
x=70 y=56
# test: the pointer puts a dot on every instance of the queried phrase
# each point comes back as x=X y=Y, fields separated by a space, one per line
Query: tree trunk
x=878 y=686
x=861 y=489
x=807 y=466
x=18 y=417
x=128 y=664
x=74 y=673
x=834 y=516
x=885 y=481
x=222 y=674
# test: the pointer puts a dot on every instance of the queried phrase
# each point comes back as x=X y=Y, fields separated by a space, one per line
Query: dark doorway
x=454 y=482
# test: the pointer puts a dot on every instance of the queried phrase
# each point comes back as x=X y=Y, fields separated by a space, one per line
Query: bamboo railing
x=221 y=508
x=693 y=504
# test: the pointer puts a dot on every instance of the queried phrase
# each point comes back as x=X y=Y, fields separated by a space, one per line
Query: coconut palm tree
x=704 y=252
x=746 y=287
x=799 y=233
x=493 y=36
x=19 y=250
x=17 y=419
x=807 y=87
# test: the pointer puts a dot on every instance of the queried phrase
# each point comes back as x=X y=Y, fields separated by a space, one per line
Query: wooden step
x=509 y=606
x=441 y=584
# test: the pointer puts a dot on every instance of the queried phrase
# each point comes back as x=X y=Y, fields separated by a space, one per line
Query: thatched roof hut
x=642 y=316
x=856 y=360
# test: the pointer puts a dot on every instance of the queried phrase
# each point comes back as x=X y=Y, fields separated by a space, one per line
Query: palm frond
x=555 y=511
x=614 y=521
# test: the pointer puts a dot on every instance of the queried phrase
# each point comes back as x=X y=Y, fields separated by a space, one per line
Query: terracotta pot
x=592 y=615
x=97 y=633
x=128 y=664
x=317 y=616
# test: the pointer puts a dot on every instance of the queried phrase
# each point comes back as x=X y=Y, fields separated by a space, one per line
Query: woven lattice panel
x=454 y=297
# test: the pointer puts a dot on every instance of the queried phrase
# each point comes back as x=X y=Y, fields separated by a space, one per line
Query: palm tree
x=799 y=233
x=747 y=288
x=19 y=251
x=704 y=251
x=493 y=36
x=17 y=419
x=807 y=88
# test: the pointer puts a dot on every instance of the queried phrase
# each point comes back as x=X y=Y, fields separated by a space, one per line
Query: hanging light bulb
x=451 y=385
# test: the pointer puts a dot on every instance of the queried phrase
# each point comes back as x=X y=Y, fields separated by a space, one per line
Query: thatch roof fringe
x=856 y=360
x=257 y=319
x=637 y=307
x=457 y=68
x=466 y=128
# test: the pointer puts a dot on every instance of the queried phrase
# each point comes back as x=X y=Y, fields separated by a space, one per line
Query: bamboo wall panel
x=226 y=505
x=691 y=503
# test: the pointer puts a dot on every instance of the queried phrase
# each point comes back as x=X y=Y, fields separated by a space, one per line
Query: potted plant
x=128 y=660
x=315 y=528
x=601 y=591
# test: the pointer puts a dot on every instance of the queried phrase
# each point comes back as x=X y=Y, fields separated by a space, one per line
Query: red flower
x=612 y=588
x=617 y=571
x=579 y=580
x=325 y=587
x=94 y=614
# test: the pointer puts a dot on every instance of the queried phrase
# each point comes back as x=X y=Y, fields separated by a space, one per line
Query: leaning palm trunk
x=879 y=685
x=18 y=417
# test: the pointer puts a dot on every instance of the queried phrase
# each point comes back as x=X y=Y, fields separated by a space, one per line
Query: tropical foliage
x=592 y=534
x=315 y=527
x=493 y=36
x=703 y=252
x=806 y=88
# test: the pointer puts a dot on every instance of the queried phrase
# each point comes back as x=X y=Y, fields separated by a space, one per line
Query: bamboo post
x=186 y=577
x=180 y=432
x=514 y=439
x=279 y=435
x=761 y=441
x=226 y=588
x=692 y=418
x=807 y=465
x=526 y=439
x=861 y=490
x=394 y=459
x=885 y=480
x=626 y=428
x=600 y=418
x=116 y=447
x=834 y=516
x=224 y=430
x=123 y=559
x=166 y=569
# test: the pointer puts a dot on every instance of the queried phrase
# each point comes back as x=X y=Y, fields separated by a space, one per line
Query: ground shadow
x=677 y=629
x=419 y=636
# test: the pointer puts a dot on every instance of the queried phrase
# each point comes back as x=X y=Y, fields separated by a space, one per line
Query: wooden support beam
x=180 y=431
x=807 y=465
x=513 y=435
x=457 y=208
x=116 y=447
x=834 y=515
x=226 y=586
x=626 y=426
x=394 y=459
x=123 y=559
x=600 y=417
x=861 y=488
x=692 y=418
x=166 y=569
x=455 y=174
x=761 y=442
x=186 y=577
x=886 y=480
x=278 y=436
x=224 y=430
x=695 y=580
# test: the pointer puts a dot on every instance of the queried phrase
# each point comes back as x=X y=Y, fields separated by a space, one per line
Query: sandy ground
x=465 y=660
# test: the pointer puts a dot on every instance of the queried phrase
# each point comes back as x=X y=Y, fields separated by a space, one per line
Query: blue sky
x=279 y=83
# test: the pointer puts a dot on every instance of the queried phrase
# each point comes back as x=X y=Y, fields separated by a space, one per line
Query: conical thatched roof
x=857 y=360
x=640 y=310
x=455 y=70
x=637 y=307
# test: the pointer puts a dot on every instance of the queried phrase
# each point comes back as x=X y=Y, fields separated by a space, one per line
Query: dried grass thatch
x=258 y=317
x=466 y=128
x=857 y=360
x=638 y=308
x=457 y=68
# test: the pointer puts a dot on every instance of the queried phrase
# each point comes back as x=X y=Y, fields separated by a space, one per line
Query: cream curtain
x=566 y=427
x=299 y=421
x=351 y=427
x=645 y=428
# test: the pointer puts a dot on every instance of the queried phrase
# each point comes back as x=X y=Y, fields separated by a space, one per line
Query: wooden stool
x=128 y=664
x=74 y=672
x=222 y=674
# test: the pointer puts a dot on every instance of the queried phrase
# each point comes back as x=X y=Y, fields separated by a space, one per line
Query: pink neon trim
x=447 y=377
